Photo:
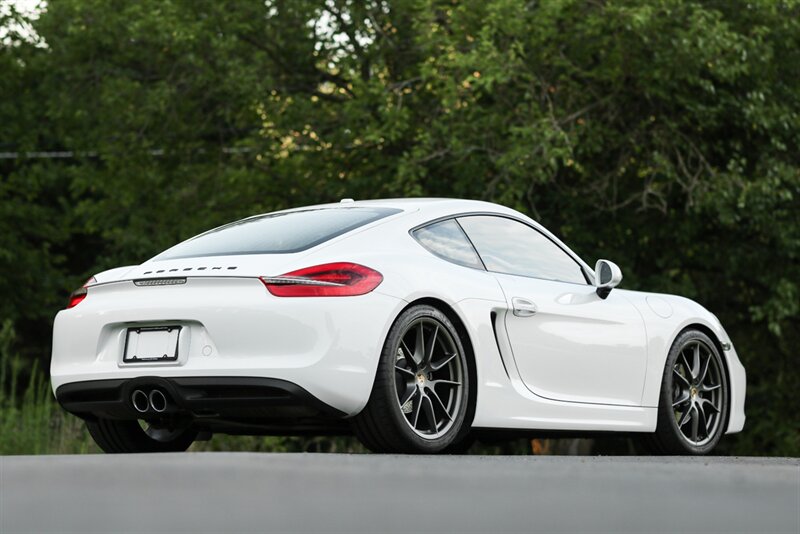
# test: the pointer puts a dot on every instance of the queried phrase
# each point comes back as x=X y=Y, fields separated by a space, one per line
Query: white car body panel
x=603 y=361
x=602 y=344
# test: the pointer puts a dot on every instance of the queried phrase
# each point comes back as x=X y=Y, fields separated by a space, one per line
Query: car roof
x=420 y=204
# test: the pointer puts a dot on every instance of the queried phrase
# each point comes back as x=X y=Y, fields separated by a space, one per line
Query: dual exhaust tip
x=144 y=402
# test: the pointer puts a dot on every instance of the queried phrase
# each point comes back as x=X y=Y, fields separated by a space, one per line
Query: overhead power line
x=68 y=154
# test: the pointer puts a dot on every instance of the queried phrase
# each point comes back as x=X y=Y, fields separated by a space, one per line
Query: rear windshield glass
x=278 y=233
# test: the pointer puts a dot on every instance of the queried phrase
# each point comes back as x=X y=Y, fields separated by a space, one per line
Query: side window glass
x=446 y=239
x=510 y=247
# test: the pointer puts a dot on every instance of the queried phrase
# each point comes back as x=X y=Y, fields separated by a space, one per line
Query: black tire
x=428 y=382
x=460 y=446
x=129 y=437
x=694 y=401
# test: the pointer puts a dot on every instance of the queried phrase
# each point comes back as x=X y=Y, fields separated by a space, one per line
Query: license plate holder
x=151 y=344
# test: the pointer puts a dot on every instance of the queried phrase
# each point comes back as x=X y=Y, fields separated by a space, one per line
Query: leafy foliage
x=661 y=134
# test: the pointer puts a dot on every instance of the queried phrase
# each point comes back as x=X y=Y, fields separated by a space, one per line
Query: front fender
x=665 y=317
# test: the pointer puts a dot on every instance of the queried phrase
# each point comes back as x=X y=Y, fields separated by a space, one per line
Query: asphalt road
x=237 y=492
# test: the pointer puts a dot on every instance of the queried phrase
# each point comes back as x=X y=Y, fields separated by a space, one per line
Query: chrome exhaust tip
x=140 y=401
x=158 y=402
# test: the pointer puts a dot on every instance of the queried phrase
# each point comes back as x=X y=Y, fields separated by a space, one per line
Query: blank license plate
x=151 y=344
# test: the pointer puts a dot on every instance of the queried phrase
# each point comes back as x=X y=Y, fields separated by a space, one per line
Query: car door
x=568 y=343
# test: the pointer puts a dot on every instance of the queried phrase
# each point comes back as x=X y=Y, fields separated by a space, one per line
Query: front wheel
x=132 y=436
x=693 y=406
x=420 y=396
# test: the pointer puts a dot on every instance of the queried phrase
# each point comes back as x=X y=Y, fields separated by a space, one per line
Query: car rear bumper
x=230 y=328
x=239 y=398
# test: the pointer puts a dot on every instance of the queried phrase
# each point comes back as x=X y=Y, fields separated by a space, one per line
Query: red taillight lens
x=77 y=297
x=79 y=294
x=329 y=280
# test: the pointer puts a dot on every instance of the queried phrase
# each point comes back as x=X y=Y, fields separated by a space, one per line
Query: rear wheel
x=132 y=436
x=420 y=396
x=693 y=407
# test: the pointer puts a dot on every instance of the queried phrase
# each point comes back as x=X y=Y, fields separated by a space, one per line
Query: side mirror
x=607 y=276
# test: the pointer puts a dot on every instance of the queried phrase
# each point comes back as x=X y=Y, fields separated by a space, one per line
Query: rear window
x=278 y=233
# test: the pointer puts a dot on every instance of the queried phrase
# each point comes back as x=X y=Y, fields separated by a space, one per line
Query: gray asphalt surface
x=242 y=492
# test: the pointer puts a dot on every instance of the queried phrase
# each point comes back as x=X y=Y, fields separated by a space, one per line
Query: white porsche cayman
x=409 y=322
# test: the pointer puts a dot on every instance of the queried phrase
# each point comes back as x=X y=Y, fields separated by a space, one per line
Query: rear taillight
x=77 y=297
x=329 y=280
x=79 y=294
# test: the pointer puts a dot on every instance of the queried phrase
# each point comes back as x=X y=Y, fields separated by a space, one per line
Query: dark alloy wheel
x=419 y=400
x=693 y=407
x=141 y=436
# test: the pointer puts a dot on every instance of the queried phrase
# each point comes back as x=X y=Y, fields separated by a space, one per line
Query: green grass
x=31 y=421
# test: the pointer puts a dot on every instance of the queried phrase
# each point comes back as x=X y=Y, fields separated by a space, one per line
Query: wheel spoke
x=419 y=348
x=685 y=416
x=408 y=394
x=429 y=346
x=427 y=407
x=696 y=362
x=435 y=366
x=701 y=418
x=684 y=399
x=403 y=370
x=683 y=378
x=435 y=383
x=704 y=370
x=435 y=396
x=695 y=422
x=416 y=408
x=712 y=387
x=707 y=404
x=408 y=355
x=686 y=367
